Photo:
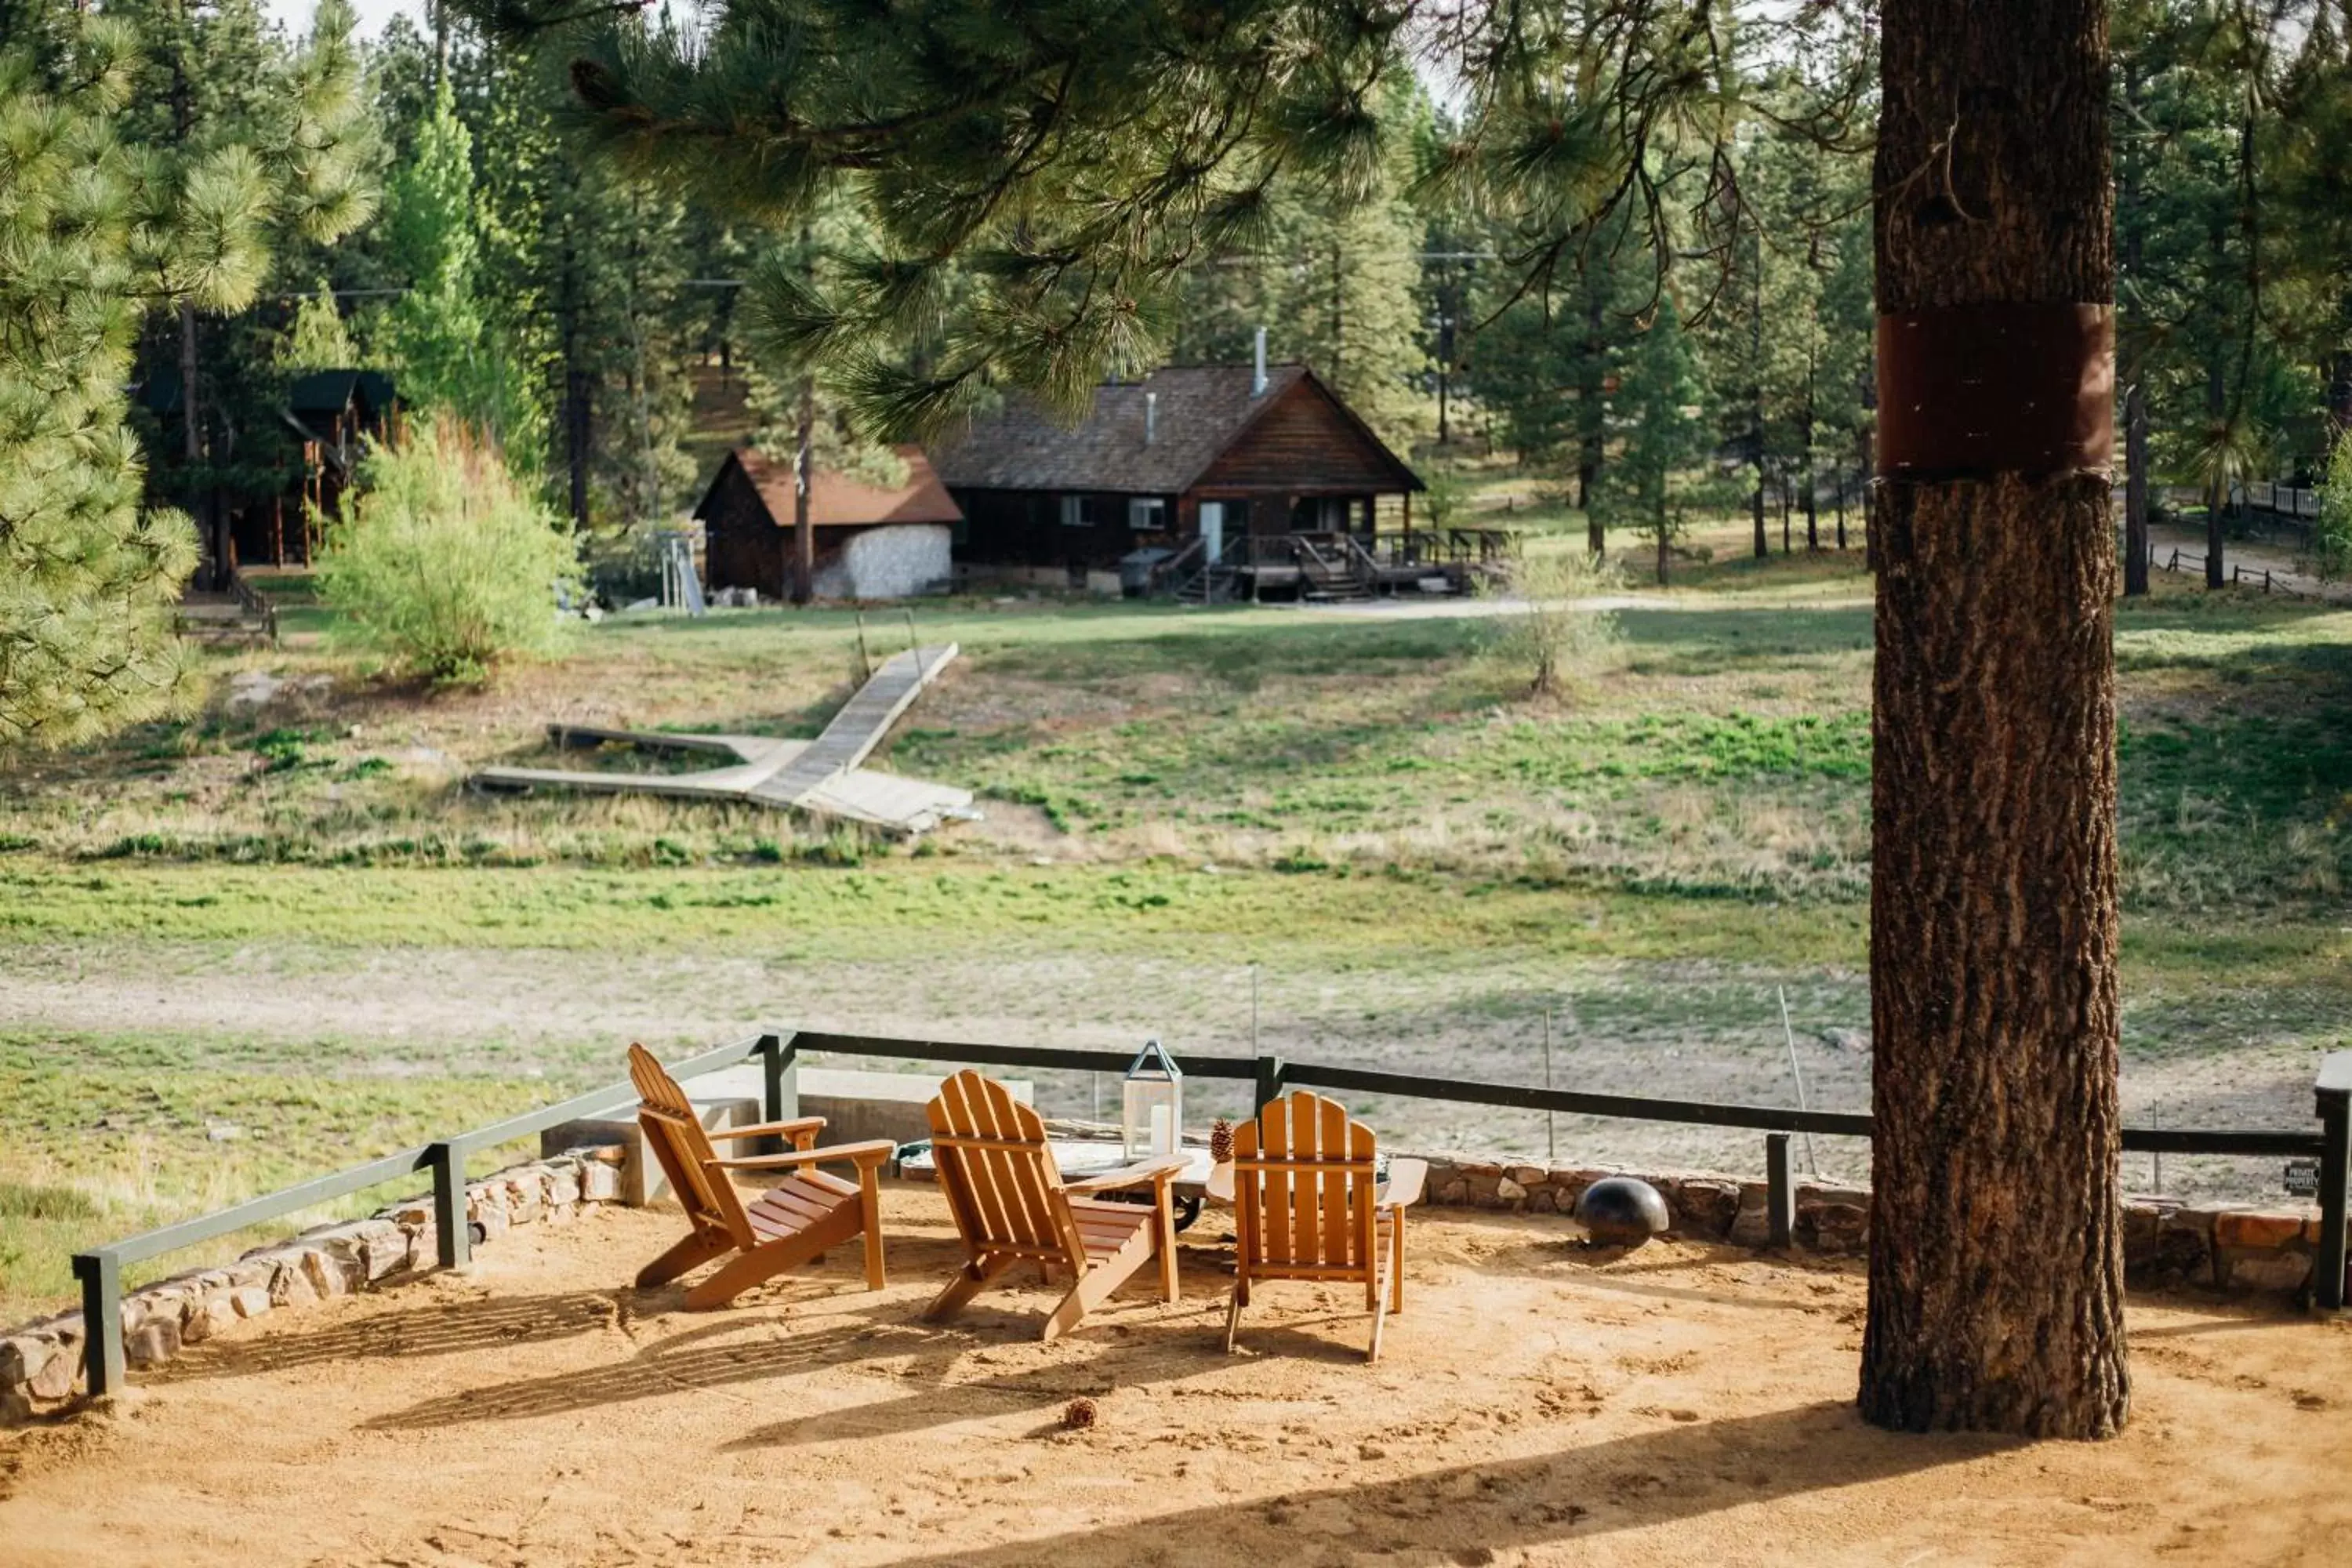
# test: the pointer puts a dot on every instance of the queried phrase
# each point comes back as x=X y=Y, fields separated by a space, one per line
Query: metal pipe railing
x=99 y=1270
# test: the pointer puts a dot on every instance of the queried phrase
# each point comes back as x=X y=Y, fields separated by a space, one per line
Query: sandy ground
x=1533 y=1405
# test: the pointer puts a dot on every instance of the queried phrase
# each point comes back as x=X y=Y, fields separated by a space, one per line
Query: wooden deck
x=821 y=776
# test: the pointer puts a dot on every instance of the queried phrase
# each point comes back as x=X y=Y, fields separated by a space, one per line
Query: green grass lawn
x=1420 y=860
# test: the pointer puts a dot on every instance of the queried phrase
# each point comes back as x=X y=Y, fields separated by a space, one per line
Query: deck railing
x=99 y=1270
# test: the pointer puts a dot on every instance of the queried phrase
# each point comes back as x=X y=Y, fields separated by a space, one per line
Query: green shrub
x=2331 y=542
x=1552 y=636
x=443 y=563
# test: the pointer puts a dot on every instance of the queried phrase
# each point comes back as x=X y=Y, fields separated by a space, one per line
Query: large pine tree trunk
x=1996 y=1258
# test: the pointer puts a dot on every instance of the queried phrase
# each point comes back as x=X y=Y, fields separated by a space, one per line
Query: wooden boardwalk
x=821 y=776
x=858 y=728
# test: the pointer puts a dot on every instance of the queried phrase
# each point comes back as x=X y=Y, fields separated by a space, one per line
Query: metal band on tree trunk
x=1969 y=391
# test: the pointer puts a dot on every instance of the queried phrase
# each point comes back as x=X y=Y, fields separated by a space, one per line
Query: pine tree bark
x=1996 y=1258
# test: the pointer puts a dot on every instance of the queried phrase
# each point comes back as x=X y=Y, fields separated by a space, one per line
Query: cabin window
x=1078 y=512
x=1146 y=514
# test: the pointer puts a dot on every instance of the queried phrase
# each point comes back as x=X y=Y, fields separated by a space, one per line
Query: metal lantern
x=1152 y=1116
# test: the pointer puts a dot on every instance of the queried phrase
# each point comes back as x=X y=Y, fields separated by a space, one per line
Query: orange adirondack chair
x=1308 y=1206
x=788 y=1225
x=1010 y=1205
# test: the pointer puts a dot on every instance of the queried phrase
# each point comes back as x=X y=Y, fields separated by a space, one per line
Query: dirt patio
x=1534 y=1403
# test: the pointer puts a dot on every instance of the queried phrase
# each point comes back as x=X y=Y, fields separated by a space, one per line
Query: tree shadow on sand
x=1467 y=1513
x=427 y=1329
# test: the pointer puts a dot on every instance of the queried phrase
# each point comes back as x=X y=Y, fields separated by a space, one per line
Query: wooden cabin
x=1250 y=477
x=332 y=413
x=872 y=541
x=268 y=521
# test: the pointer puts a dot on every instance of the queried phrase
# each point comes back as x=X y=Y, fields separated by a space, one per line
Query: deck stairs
x=1213 y=581
x=1334 y=571
x=235 y=615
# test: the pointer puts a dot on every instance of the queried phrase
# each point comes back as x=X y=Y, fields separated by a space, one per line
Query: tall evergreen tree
x=439 y=334
x=251 y=144
x=87 y=575
x=1657 y=416
x=319 y=337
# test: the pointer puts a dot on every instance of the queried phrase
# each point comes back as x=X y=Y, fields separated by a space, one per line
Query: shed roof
x=1202 y=409
x=838 y=500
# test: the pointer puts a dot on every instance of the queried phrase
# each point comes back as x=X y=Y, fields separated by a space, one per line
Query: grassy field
x=282 y=935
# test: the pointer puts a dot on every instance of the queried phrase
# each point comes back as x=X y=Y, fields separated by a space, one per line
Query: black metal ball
x=1623 y=1211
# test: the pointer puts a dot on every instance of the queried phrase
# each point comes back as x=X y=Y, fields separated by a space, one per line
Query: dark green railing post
x=779 y=1080
x=1780 y=1191
x=2335 y=1094
x=451 y=1231
x=779 y=1085
x=1270 y=1074
x=101 y=1274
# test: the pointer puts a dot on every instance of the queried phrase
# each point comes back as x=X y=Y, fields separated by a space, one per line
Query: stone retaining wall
x=41 y=1363
x=2166 y=1241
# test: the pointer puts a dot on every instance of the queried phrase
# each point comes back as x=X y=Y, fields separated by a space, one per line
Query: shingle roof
x=836 y=501
x=1201 y=408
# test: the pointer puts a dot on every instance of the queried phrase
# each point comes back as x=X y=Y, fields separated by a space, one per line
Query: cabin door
x=1212 y=528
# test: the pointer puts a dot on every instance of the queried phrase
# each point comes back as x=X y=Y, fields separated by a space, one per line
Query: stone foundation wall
x=41 y=1363
x=2166 y=1241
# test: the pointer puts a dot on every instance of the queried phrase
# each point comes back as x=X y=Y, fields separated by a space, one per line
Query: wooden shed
x=872 y=543
x=1224 y=467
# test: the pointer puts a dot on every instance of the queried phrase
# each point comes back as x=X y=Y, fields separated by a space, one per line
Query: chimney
x=1151 y=417
x=1257 y=378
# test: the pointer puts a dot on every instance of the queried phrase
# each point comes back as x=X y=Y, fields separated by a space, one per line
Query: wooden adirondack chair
x=1010 y=1205
x=1308 y=1206
x=785 y=1227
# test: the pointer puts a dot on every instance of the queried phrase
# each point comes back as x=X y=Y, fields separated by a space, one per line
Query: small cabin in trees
x=872 y=541
x=330 y=413
x=1224 y=478
x=263 y=514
